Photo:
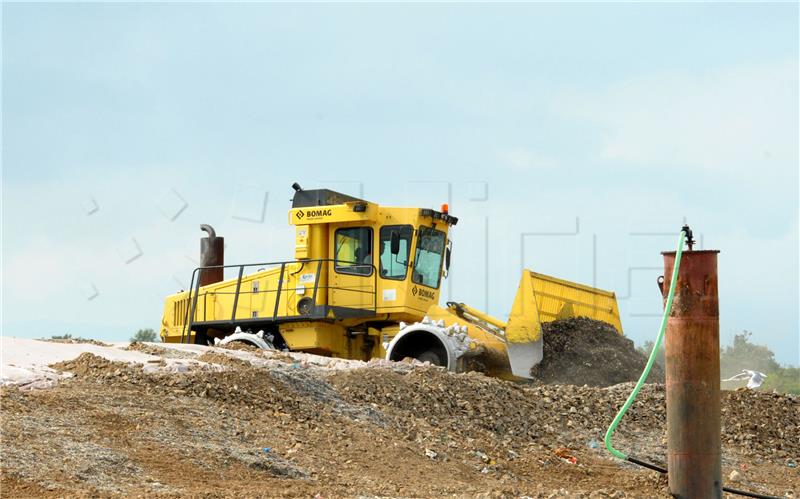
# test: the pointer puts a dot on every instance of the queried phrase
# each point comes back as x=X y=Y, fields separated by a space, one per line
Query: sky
x=570 y=139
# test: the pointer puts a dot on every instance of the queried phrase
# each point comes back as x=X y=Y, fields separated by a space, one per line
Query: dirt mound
x=469 y=405
x=223 y=360
x=159 y=351
x=91 y=365
x=241 y=346
x=582 y=351
x=766 y=423
x=74 y=341
x=287 y=430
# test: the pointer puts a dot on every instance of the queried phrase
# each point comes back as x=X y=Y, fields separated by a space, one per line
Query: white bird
x=755 y=380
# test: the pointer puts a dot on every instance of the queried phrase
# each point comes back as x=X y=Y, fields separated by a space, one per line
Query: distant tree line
x=744 y=354
x=145 y=335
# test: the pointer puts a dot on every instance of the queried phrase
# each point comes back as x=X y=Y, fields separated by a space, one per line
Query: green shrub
x=147 y=335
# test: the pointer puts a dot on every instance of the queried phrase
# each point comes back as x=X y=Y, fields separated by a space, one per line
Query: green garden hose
x=651 y=360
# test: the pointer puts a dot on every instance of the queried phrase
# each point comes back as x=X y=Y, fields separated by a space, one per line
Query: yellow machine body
x=364 y=283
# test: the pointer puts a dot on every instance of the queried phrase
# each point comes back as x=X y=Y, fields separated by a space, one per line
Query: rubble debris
x=241 y=346
x=76 y=341
x=582 y=351
x=566 y=454
x=158 y=350
x=344 y=429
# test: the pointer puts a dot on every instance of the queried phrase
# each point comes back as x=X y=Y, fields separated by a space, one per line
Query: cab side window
x=394 y=265
x=428 y=258
x=353 y=253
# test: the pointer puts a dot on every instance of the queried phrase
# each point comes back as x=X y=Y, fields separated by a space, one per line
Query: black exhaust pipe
x=212 y=253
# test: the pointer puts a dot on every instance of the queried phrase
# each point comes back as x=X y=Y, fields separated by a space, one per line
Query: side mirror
x=447 y=259
x=395 y=242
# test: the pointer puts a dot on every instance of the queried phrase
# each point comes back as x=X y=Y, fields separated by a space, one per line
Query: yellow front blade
x=524 y=330
x=541 y=298
x=560 y=299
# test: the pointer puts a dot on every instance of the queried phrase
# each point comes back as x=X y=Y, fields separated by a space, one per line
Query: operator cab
x=395 y=255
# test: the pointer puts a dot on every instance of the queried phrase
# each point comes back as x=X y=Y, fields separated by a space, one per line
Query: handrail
x=193 y=294
x=236 y=297
x=190 y=319
x=278 y=295
x=260 y=291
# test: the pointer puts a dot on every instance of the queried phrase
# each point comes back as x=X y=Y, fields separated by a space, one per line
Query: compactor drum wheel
x=430 y=341
x=260 y=340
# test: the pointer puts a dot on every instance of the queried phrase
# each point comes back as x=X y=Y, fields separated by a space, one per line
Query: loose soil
x=385 y=430
x=582 y=351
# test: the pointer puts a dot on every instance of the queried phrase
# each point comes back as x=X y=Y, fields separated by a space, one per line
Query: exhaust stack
x=212 y=253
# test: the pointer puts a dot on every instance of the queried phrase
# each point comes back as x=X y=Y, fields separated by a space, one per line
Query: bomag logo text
x=423 y=293
x=315 y=213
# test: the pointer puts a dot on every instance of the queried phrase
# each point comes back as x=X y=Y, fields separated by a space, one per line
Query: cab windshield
x=428 y=257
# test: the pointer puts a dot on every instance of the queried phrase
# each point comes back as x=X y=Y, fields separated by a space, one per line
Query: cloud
x=521 y=159
x=730 y=118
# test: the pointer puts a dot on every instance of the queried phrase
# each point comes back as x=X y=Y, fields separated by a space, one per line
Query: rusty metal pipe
x=692 y=377
x=212 y=252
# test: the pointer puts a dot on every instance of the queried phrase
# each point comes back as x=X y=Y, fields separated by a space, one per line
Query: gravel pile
x=233 y=428
x=151 y=349
x=464 y=405
x=283 y=388
x=75 y=341
x=93 y=366
x=569 y=415
x=582 y=351
x=766 y=424
x=241 y=346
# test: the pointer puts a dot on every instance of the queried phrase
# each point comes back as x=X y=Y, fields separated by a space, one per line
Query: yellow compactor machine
x=364 y=283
